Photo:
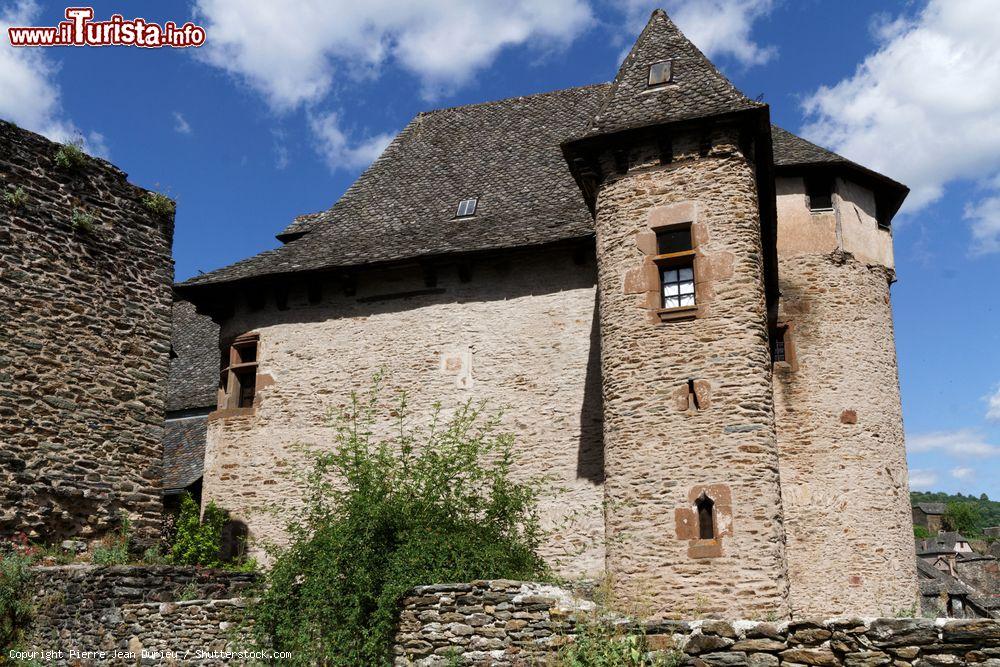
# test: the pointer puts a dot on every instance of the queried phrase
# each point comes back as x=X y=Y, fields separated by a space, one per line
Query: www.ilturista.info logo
x=80 y=30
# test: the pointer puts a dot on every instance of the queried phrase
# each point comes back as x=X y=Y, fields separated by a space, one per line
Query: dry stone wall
x=840 y=431
x=662 y=450
x=517 y=332
x=500 y=623
x=85 y=276
x=86 y=615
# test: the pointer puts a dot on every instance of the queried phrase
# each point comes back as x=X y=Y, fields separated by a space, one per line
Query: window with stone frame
x=238 y=378
x=675 y=260
x=706 y=517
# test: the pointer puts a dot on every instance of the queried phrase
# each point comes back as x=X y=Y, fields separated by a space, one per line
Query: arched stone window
x=706 y=517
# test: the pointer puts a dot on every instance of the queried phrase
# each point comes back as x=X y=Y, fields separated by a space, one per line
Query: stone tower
x=676 y=166
x=837 y=405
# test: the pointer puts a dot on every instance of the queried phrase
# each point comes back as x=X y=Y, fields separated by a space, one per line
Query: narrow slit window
x=819 y=191
x=706 y=517
x=467 y=208
x=661 y=73
x=779 y=351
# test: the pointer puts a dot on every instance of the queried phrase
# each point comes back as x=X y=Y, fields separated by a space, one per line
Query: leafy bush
x=15 y=604
x=15 y=197
x=600 y=643
x=114 y=548
x=384 y=515
x=198 y=542
x=989 y=510
x=82 y=221
x=158 y=204
x=921 y=533
x=71 y=156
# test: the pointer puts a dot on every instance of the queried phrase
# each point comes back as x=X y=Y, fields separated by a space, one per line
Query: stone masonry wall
x=840 y=431
x=170 y=613
x=517 y=332
x=661 y=450
x=85 y=275
x=500 y=623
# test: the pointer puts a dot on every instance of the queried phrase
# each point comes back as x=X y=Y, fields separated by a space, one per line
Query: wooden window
x=661 y=73
x=706 y=517
x=783 y=346
x=675 y=259
x=819 y=191
x=238 y=379
x=778 y=351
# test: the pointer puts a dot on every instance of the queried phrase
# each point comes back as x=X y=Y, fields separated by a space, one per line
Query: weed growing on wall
x=158 y=204
x=82 y=221
x=114 y=548
x=71 y=156
x=384 y=515
x=15 y=197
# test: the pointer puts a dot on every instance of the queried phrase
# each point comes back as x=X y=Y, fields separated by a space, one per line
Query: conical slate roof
x=696 y=89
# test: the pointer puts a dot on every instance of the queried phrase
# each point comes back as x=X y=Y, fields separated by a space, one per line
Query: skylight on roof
x=467 y=208
x=661 y=72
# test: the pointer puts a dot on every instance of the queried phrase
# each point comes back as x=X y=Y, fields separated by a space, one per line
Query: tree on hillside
x=963 y=517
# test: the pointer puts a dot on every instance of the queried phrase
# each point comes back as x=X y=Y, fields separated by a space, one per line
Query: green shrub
x=158 y=204
x=82 y=221
x=114 y=548
x=15 y=197
x=921 y=533
x=601 y=643
x=71 y=156
x=198 y=542
x=427 y=506
x=15 y=604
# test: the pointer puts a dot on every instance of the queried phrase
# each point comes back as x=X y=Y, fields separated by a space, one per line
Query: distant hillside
x=989 y=510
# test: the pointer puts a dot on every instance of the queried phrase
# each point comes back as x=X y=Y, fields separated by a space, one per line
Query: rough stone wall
x=515 y=623
x=840 y=432
x=164 y=614
x=85 y=275
x=518 y=333
x=659 y=452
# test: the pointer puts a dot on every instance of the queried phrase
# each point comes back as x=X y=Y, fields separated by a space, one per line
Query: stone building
x=685 y=308
x=85 y=284
x=929 y=516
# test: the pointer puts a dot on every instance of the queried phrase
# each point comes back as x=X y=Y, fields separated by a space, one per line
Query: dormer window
x=661 y=73
x=467 y=208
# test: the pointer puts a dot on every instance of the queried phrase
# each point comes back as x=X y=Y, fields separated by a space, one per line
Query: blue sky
x=280 y=111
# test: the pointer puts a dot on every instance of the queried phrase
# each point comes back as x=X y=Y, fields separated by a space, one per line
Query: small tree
x=963 y=517
x=382 y=516
x=198 y=542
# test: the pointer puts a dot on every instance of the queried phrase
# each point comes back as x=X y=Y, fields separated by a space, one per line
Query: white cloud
x=924 y=108
x=963 y=442
x=963 y=473
x=31 y=97
x=338 y=150
x=993 y=411
x=181 y=126
x=717 y=27
x=922 y=480
x=294 y=55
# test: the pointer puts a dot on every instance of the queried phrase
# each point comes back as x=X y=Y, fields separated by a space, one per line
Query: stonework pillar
x=688 y=403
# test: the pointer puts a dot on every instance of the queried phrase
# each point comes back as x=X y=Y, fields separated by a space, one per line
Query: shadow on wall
x=590 y=455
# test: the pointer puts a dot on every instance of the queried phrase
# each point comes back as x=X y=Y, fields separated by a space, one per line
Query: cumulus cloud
x=924 y=108
x=922 y=480
x=963 y=442
x=181 y=126
x=720 y=28
x=962 y=472
x=293 y=56
x=338 y=151
x=993 y=401
x=31 y=97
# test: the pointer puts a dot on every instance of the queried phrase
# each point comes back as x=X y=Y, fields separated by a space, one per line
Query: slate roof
x=193 y=379
x=931 y=508
x=507 y=153
x=697 y=88
x=934 y=582
x=183 y=451
x=940 y=543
